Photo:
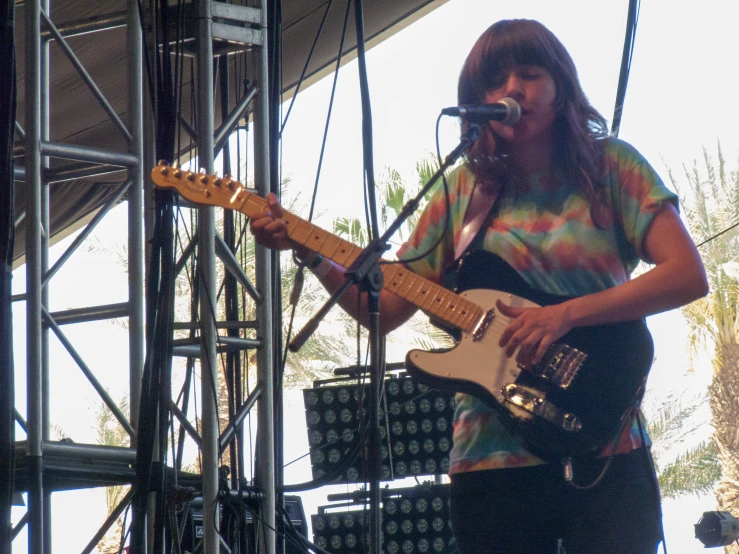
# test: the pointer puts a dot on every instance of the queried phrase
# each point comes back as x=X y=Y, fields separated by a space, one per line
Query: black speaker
x=237 y=526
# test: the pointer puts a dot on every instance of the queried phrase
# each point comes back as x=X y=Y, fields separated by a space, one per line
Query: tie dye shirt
x=544 y=230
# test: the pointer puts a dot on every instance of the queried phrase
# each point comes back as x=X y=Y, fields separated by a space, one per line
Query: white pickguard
x=479 y=361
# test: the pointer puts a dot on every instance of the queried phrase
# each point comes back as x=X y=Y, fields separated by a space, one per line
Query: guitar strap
x=478 y=217
x=479 y=211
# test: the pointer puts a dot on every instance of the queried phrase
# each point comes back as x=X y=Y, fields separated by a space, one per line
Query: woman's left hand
x=533 y=330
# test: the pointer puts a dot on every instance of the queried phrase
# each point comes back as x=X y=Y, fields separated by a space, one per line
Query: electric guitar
x=570 y=405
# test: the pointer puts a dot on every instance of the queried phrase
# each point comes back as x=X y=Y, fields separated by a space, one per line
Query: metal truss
x=45 y=466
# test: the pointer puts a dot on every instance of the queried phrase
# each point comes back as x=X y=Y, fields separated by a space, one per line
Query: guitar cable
x=649 y=461
x=567 y=462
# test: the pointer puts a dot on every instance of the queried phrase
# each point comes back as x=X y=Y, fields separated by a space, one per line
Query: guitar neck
x=446 y=306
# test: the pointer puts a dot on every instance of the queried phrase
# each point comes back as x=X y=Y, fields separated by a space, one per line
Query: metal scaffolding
x=45 y=466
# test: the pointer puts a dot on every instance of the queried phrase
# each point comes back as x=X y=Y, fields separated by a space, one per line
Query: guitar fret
x=443 y=299
x=452 y=312
x=430 y=302
x=470 y=317
x=443 y=304
x=399 y=282
x=330 y=246
x=405 y=281
x=316 y=239
x=298 y=230
x=416 y=286
x=253 y=205
x=347 y=253
x=389 y=275
x=426 y=296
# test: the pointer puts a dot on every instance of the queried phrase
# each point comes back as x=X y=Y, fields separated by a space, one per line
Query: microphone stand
x=365 y=272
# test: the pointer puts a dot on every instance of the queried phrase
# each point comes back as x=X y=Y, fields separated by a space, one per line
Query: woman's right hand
x=268 y=229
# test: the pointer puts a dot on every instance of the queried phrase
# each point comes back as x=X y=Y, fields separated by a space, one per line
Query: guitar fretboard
x=443 y=304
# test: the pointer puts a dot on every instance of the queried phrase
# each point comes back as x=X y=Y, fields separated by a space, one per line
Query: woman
x=574 y=213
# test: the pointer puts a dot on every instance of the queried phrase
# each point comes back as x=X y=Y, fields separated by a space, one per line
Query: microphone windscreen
x=514 y=111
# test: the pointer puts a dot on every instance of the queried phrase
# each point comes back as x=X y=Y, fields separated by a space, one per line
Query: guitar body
x=571 y=404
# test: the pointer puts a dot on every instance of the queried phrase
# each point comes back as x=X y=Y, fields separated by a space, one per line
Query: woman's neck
x=532 y=157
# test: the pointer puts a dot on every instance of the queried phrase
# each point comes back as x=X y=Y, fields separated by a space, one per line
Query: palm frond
x=712 y=209
x=667 y=426
x=694 y=472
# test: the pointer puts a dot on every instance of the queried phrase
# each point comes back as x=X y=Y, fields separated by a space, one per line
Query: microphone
x=507 y=111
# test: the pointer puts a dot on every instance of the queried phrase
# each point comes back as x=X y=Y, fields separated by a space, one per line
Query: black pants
x=533 y=510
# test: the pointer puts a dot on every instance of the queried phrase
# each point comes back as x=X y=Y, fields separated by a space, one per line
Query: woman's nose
x=513 y=86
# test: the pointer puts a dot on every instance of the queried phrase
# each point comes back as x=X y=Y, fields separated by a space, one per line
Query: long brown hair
x=577 y=126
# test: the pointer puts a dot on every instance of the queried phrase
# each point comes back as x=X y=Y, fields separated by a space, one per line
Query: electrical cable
x=632 y=412
x=305 y=66
x=626 y=58
x=300 y=279
x=229 y=288
x=306 y=544
x=211 y=310
x=717 y=235
x=447 y=200
x=367 y=139
x=159 y=333
x=205 y=361
x=653 y=473
x=124 y=532
x=160 y=282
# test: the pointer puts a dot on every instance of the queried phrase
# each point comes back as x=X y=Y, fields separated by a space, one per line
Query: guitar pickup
x=528 y=400
x=482 y=326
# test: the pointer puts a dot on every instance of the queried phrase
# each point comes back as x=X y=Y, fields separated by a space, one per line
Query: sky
x=681 y=98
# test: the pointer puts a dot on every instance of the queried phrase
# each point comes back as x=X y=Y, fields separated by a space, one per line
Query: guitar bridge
x=482 y=325
x=561 y=364
x=528 y=400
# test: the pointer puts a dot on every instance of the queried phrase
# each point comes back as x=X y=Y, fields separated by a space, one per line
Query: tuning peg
x=176 y=165
x=162 y=162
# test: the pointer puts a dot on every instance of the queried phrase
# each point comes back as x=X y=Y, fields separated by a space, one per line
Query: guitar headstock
x=199 y=187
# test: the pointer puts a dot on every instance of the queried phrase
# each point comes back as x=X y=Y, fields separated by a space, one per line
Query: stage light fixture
x=414 y=519
x=415 y=432
x=717 y=529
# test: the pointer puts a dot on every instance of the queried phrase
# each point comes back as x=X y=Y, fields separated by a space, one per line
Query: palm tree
x=694 y=471
x=110 y=433
x=394 y=192
x=712 y=218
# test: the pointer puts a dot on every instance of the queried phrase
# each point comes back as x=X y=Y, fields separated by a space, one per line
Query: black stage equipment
x=717 y=529
x=414 y=519
x=416 y=429
x=243 y=519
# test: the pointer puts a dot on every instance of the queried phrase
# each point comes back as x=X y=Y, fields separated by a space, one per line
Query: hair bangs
x=510 y=44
